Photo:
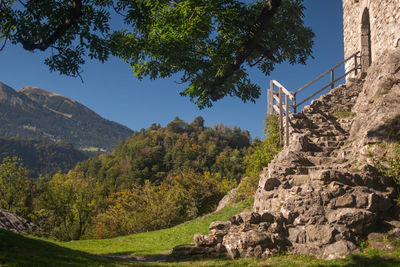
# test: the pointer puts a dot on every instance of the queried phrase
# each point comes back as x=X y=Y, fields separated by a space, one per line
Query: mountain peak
x=38 y=113
x=32 y=91
x=5 y=91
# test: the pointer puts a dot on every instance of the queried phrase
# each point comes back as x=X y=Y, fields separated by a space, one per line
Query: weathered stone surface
x=344 y=201
x=219 y=225
x=384 y=18
x=226 y=199
x=339 y=249
x=251 y=243
x=378 y=203
x=271 y=183
x=204 y=240
x=245 y=217
x=321 y=234
x=11 y=222
x=381 y=245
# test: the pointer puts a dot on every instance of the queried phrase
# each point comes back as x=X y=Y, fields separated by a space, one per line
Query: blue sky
x=112 y=91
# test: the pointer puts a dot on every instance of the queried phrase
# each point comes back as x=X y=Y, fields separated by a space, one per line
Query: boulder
x=11 y=222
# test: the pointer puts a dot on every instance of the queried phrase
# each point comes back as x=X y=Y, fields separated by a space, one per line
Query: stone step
x=328 y=149
x=299 y=180
x=331 y=131
x=317 y=154
x=331 y=127
x=321 y=161
x=330 y=138
x=341 y=153
x=331 y=144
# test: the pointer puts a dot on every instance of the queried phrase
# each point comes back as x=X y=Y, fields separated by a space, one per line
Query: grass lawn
x=18 y=250
x=151 y=243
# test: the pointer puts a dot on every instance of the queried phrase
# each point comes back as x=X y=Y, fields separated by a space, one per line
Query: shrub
x=15 y=186
x=260 y=154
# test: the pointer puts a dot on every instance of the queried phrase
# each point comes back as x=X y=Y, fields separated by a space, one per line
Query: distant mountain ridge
x=34 y=112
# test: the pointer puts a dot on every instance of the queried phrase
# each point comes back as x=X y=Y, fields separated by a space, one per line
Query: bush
x=183 y=196
x=260 y=154
x=15 y=187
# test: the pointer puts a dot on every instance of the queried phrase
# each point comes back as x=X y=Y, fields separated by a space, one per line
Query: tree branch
x=4 y=44
x=249 y=45
x=74 y=15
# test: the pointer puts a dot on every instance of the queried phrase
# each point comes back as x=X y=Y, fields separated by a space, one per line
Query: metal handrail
x=284 y=96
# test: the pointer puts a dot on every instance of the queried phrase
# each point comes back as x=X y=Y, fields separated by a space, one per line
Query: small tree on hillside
x=14 y=186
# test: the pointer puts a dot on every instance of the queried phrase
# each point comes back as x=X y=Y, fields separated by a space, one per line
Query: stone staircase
x=316 y=197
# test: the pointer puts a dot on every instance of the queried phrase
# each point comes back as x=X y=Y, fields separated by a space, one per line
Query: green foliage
x=182 y=197
x=66 y=205
x=73 y=29
x=258 y=157
x=15 y=187
x=209 y=43
x=154 y=242
x=156 y=179
x=153 y=153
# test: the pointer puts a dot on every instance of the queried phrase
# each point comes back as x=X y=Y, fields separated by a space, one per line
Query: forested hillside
x=159 y=177
x=153 y=154
x=41 y=156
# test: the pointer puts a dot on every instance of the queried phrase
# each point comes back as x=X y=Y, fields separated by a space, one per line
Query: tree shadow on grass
x=18 y=250
x=375 y=260
x=129 y=256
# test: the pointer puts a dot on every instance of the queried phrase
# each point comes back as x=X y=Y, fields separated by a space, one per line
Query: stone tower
x=371 y=27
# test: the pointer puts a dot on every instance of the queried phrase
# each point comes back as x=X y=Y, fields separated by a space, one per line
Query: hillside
x=157 y=178
x=41 y=156
x=33 y=112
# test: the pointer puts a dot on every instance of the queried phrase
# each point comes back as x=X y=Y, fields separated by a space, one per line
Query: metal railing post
x=280 y=115
x=294 y=103
x=287 y=120
x=355 y=65
x=270 y=97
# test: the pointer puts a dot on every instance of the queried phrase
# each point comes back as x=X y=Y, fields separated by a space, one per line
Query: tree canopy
x=210 y=44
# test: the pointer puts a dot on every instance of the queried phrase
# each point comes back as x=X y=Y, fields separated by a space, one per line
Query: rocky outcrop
x=226 y=199
x=11 y=222
x=321 y=194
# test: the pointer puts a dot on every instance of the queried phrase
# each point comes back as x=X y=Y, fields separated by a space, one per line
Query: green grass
x=150 y=243
x=17 y=250
x=346 y=114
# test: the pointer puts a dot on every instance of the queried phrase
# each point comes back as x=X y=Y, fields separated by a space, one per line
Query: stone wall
x=384 y=19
